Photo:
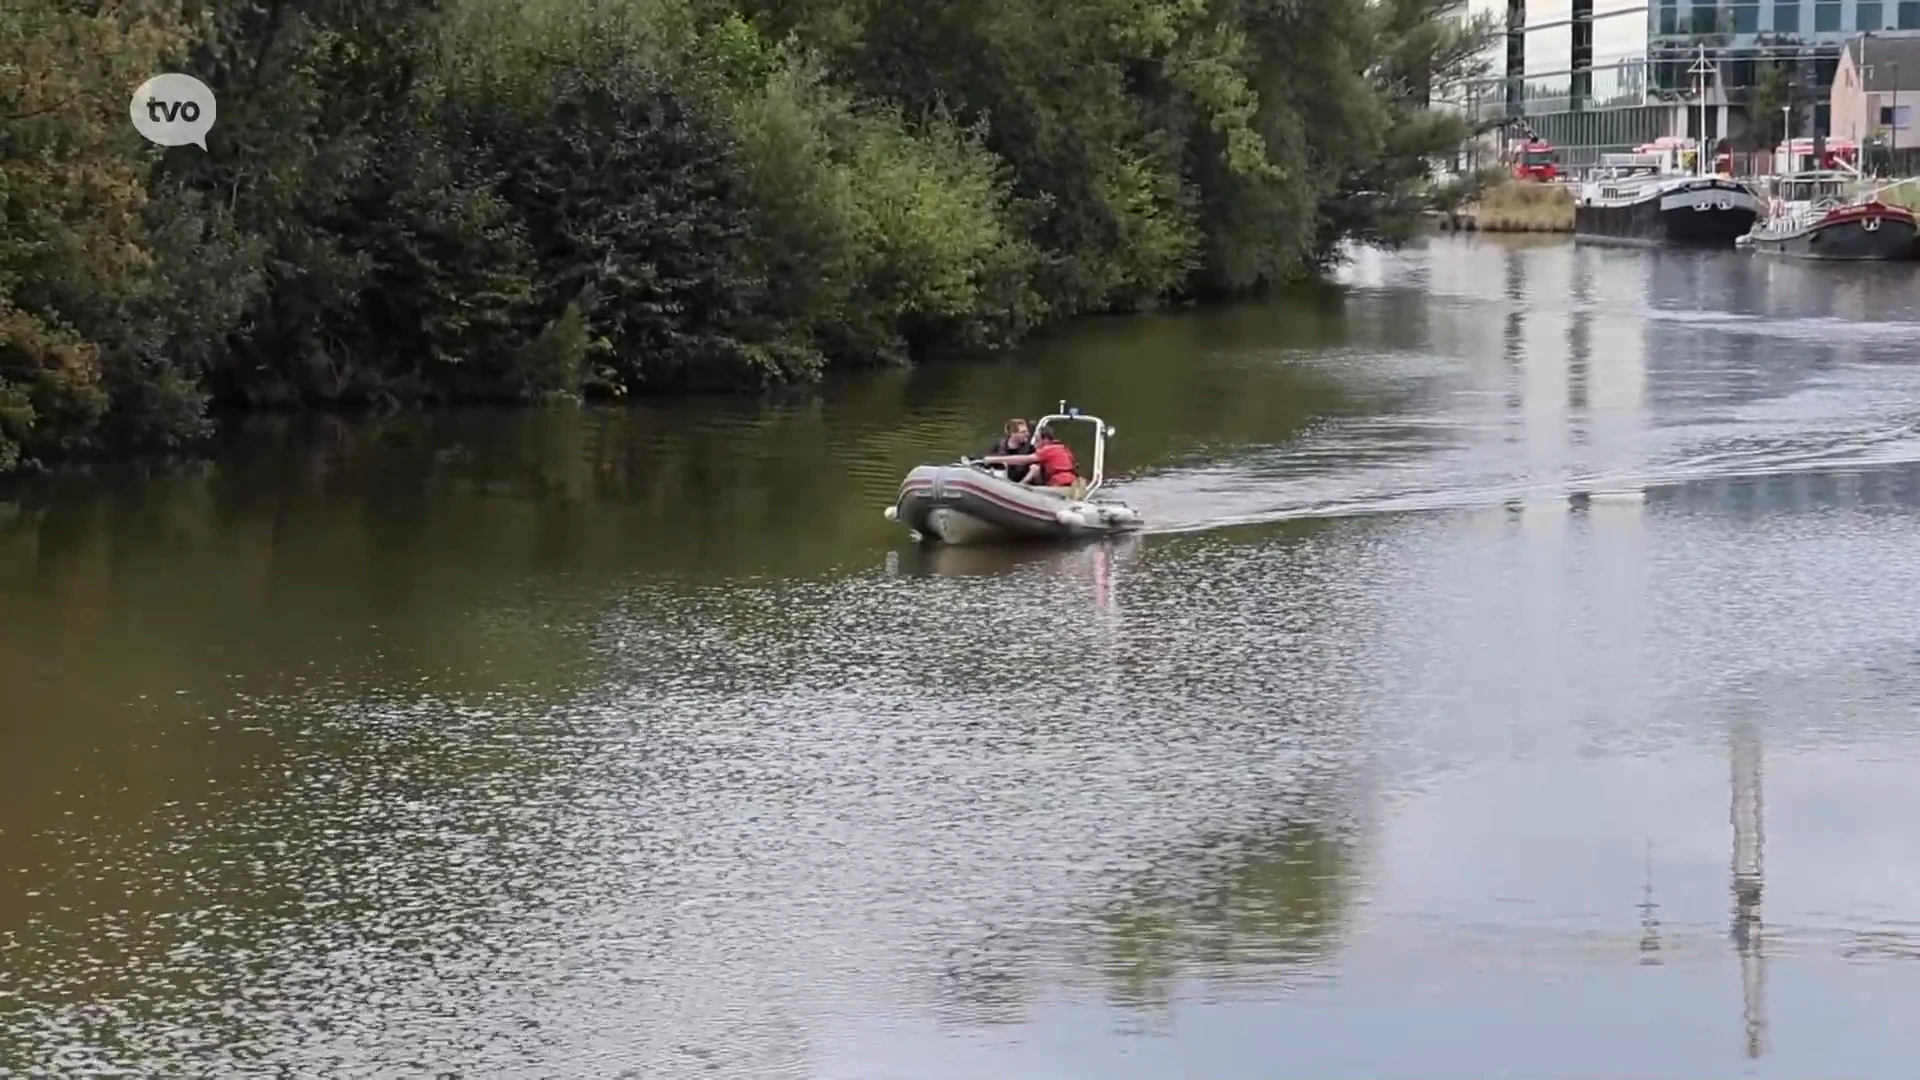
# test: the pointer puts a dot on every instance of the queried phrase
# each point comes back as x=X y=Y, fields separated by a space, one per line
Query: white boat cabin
x=1624 y=176
x=1809 y=187
x=1797 y=201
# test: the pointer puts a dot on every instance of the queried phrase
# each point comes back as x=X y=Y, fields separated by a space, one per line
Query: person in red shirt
x=1053 y=458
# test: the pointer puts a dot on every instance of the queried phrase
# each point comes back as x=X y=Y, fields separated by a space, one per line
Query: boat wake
x=1549 y=375
x=1189 y=501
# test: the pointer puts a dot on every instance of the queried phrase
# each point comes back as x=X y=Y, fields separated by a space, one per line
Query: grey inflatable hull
x=956 y=504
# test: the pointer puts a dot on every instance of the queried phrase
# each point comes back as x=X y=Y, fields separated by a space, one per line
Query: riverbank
x=1901 y=193
x=535 y=202
x=1516 y=207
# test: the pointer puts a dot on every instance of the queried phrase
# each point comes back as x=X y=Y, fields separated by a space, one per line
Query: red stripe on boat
x=1864 y=210
x=914 y=487
x=1003 y=501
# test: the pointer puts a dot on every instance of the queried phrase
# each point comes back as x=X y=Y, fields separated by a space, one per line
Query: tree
x=72 y=232
x=1771 y=93
x=416 y=200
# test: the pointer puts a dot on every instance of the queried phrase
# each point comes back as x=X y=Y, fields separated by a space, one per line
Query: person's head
x=1017 y=431
x=1047 y=435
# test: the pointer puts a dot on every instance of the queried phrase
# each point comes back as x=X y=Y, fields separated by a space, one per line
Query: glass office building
x=1595 y=76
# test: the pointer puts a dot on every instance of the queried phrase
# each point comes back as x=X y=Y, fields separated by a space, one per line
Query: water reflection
x=1094 y=560
x=1543 y=359
x=1406 y=388
x=1798 y=490
x=1615 y=371
x=459 y=742
x=1749 y=839
x=1649 y=918
x=1272 y=898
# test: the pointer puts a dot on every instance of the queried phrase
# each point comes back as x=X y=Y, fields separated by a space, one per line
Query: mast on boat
x=1702 y=67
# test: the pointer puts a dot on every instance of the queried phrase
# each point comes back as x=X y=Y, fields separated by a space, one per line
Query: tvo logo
x=173 y=110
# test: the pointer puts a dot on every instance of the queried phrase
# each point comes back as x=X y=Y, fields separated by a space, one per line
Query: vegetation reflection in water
x=722 y=486
x=1276 y=896
x=425 y=611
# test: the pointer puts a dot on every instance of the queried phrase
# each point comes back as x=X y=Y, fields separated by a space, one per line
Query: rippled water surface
x=1521 y=677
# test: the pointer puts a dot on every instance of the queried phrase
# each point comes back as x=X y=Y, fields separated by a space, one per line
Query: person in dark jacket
x=1050 y=462
x=1016 y=441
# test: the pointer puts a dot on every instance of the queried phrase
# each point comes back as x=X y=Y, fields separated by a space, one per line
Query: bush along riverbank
x=521 y=199
x=1903 y=192
x=1518 y=207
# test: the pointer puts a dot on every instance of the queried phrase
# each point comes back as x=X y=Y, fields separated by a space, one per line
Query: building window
x=1706 y=20
x=1826 y=17
x=1669 y=74
x=1867 y=16
x=1909 y=14
x=1746 y=18
x=1713 y=124
x=1786 y=17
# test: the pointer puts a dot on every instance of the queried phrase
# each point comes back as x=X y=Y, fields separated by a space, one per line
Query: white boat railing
x=1101 y=431
x=1795 y=216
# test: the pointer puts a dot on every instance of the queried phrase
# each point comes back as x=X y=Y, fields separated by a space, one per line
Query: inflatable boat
x=969 y=503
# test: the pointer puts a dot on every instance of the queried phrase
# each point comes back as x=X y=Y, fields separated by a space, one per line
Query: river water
x=1519 y=677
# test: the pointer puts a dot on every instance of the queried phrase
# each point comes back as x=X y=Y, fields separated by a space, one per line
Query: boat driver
x=1016 y=442
x=1051 y=461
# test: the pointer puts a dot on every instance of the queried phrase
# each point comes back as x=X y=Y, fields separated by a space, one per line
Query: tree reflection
x=987 y=983
x=234 y=691
x=788 y=484
x=1277 y=897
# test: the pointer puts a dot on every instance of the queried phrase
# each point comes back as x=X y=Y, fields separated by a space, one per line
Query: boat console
x=1101 y=432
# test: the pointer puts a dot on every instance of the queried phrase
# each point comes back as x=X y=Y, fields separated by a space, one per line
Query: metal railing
x=1101 y=432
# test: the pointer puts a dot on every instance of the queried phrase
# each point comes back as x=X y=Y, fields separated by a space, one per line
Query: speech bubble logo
x=173 y=110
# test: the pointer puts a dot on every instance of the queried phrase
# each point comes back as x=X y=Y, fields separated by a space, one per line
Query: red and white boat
x=1812 y=216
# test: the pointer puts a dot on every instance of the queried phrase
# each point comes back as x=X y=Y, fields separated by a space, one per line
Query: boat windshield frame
x=1101 y=432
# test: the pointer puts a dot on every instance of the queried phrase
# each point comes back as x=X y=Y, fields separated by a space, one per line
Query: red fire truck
x=1534 y=159
x=1797 y=155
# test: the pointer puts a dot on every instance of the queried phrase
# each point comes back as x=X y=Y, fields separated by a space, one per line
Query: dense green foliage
x=1772 y=91
x=412 y=200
